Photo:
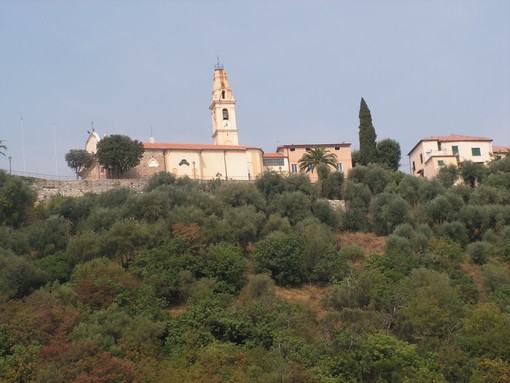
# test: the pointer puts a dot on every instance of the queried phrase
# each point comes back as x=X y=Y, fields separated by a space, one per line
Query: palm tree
x=2 y=148
x=317 y=156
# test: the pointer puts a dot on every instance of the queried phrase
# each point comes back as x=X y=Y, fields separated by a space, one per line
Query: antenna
x=55 y=146
x=151 y=139
x=218 y=66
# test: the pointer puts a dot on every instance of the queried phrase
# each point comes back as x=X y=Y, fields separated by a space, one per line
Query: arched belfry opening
x=222 y=109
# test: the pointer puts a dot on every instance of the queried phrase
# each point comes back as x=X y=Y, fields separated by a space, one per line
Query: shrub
x=282 y=256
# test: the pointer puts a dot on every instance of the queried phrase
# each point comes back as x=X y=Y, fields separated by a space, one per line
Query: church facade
x=224 y=158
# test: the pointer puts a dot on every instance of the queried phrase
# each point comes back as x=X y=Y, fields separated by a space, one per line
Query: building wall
x=433 y=149
x=254 y=159
x=235 y=164
x=152 y=162
x=435 y=163
x=295 y=152
x=284 y=168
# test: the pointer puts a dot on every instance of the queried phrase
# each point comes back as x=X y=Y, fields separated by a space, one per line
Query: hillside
x=258 y=282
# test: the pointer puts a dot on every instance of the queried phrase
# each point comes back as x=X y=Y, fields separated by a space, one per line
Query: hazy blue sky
x=297 y=69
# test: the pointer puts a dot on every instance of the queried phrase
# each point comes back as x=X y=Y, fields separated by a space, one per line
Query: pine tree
x=367 y=136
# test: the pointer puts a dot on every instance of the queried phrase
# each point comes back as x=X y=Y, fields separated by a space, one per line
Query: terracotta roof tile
x=456 y=137
x=500 y=149
x=313 y=145
x=273 y=155
x=148 y=145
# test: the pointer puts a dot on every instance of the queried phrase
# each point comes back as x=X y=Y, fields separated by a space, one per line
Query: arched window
x=223 y=94
x=225 y=114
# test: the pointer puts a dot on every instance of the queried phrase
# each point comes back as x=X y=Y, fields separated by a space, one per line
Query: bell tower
x=223 y=109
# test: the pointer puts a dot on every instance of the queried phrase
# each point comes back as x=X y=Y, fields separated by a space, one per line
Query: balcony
x=439 y=153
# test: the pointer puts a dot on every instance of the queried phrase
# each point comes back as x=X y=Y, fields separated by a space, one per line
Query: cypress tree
x=367 y=136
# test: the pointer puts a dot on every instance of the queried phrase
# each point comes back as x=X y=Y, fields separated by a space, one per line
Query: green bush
x=282 y=256
x=479 y=252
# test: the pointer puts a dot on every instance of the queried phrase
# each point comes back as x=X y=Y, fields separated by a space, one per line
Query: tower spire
x=218 y=65
x=222 y=109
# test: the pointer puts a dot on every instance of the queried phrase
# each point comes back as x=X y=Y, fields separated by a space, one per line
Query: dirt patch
x=474 y=272
x=309 y=295
x=176 y=310
x=369 y=242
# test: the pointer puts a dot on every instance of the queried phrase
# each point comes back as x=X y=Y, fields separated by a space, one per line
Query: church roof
x=149 y=145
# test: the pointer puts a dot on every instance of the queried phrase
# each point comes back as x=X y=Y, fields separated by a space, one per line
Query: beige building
x=275 y=162
x=500 y=151
x=200 y=161
x=432 y=153
x=224 y=158
x=291 y=154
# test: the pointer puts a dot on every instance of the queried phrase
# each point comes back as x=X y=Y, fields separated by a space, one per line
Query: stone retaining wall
x=48 y=188
x=77 y=188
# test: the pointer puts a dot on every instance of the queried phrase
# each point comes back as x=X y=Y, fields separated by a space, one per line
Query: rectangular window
x=294 y=168
x=438 y=145
x=475 y=152
x=440 y=163
x=421 y=158
x=455 y=149
x=337 y=147
x=414 y=167
x=292 y=149
x=273 y=161
x=339 y=167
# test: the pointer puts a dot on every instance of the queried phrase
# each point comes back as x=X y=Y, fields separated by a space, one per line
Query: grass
x=369 y=242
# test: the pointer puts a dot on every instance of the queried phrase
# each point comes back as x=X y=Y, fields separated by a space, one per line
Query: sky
x=298 y=70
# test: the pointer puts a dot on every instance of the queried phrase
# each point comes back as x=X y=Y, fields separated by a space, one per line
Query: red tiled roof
x=148 y=145
x=312 y=145
x=500 y=149
x=450 y=138
x=273 y=155
x=456 y=137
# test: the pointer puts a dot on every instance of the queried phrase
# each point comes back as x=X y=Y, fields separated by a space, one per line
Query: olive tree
x=78 y=160
x=119 y=153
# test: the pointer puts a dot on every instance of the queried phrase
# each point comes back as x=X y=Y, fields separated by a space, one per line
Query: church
x=224 y=158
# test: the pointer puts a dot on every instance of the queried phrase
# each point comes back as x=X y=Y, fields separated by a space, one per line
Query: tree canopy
x=78 y=160
x=2 y=148
x=119 y=153
x=316 y=156
x=405 y=280
x=367 y=136
x=388 y=154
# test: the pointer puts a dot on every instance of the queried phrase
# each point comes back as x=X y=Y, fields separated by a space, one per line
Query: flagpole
x=55 y=146
x=23 y=146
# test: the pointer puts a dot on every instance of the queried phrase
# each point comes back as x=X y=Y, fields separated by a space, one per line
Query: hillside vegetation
x=260 y=282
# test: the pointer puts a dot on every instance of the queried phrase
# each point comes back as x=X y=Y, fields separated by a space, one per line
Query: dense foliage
x=367 y=136
x=2 y=148
x=315 y=157
x=79 y=159
x=119 y=153
x=385 y=153
x=195 y=282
